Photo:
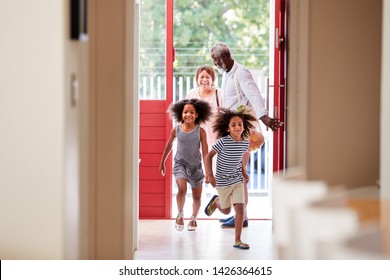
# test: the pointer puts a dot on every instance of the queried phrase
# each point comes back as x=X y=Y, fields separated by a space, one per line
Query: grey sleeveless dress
x=188 y=159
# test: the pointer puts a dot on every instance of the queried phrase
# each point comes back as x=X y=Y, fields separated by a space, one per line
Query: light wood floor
x=259 y=207
x=159 y=240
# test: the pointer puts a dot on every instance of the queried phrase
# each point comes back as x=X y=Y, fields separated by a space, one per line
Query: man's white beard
x=221 y=70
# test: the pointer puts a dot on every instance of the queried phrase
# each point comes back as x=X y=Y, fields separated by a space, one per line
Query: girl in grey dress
x=191 y=149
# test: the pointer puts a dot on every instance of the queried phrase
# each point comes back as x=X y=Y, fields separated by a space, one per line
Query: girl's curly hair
x=201 y=107
x=223 y=118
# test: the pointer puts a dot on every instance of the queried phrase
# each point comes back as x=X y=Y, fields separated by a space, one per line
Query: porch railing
x=260 y=162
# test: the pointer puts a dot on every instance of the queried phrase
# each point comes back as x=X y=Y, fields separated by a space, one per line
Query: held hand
x=210 y=179
x=274 y=124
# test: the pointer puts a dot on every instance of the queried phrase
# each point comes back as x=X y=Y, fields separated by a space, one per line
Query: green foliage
x=242 y=24
x=152 y=37
x=198 y=24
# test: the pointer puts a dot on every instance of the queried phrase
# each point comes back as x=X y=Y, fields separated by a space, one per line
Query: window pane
x=152 y=49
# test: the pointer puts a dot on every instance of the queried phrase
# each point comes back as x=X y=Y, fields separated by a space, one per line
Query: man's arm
x=249 y=88
x=252 y=92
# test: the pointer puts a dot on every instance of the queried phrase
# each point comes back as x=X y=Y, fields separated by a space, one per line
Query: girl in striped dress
x=233 y=128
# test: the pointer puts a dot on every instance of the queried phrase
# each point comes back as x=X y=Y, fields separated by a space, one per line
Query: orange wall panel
x=152 y=146
x=148 y=120
x=152 y=133
x=153 y=186
x=150 y=160
x=149 y=173
x=152 y=200
x=155 y=194
x=151 y=212
x=153 y=106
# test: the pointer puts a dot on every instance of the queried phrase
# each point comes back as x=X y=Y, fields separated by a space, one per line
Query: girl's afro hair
x=201 y=107
x=223 y=118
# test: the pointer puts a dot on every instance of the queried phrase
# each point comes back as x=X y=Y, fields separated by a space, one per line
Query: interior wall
x=132 y=111
x=32 y=129
x=112 y=145
x=76 y=144
x=297 y=84
x=385 y=105
x=63 y=184
x=337 y=89
x=84 y=163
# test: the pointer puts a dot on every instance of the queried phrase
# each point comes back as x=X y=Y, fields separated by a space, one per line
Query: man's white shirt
x=248 y=90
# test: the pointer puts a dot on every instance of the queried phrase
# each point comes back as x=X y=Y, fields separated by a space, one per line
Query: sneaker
x=230 y=223
x=224 y=220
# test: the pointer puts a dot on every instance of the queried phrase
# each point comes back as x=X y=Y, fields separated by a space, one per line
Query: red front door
x=279 y=156
x=155 y=126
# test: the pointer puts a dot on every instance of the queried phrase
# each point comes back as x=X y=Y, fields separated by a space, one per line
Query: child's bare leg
x=196 y=197
x=239 y=209
x=225 y=211
x=217 y=205
x=180 y=199
x=245 y=160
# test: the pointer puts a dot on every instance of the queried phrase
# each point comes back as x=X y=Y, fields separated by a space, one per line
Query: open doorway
x=248 y=29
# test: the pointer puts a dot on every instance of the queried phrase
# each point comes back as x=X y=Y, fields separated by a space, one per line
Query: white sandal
x=194 y=226
x=177 y=226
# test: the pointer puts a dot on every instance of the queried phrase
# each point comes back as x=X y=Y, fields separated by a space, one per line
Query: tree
x=198 y=24
x=242 y=24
